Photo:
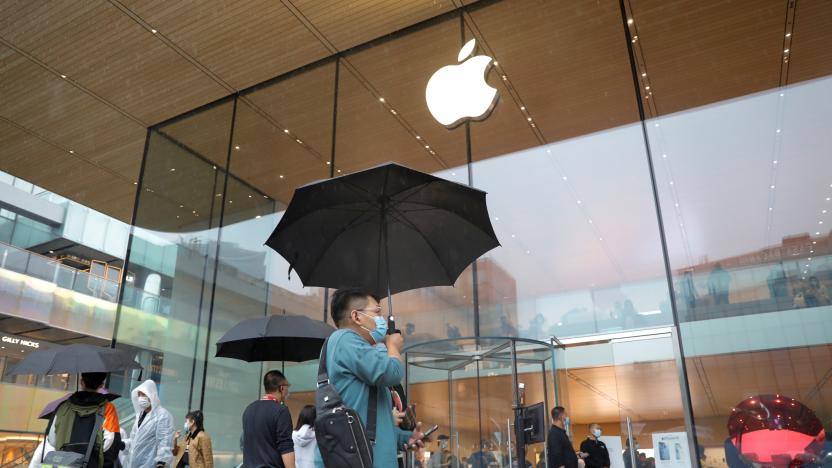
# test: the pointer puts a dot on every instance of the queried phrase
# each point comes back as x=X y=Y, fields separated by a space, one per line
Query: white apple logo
x=459 y=92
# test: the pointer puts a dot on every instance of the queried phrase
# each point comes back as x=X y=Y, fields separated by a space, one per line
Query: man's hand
x=415 y=440
x=394 y=343
x=398 y=417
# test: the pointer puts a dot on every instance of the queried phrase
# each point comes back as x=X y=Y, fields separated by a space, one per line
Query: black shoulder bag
x=342 y=438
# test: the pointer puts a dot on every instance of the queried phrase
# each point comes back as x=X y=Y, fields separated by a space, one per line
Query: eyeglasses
x=373 y=310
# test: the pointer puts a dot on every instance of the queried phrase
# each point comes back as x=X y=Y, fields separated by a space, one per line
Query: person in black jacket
x=267 y=427
x=559 y=447
x=593 y=451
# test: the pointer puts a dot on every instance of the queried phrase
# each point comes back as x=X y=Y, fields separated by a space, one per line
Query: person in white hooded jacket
x=149 y=444
x=304 y=438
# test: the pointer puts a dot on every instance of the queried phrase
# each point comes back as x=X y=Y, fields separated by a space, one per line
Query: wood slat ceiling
x=566 y=62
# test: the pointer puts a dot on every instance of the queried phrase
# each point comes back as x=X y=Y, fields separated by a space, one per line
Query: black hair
x=344 y=300
x=93 y=380
x=199 y=420
x=273 y=380
x=306 y=416
x=557 y=412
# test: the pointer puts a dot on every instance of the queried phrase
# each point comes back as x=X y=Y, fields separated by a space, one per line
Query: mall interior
x=658 y=173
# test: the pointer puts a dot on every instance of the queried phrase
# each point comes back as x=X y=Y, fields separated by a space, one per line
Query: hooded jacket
x=305 y=445
x=151 y=441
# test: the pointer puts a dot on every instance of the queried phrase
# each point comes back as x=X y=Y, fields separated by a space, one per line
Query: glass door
x=629 y=386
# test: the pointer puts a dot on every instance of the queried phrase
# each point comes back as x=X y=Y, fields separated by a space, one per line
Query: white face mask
x=144 y=402
x=596 y=433
x=187 y=426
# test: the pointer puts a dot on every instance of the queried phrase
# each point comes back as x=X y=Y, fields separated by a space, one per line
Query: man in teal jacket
x=359 y=355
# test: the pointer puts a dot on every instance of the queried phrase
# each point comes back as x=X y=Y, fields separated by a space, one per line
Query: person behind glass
x=593 y=451
x=267 y=426
x=558 y=446
x=304 y=438
x=482 y=458
x=628 y=462
x=361 y=355
x=195 y=449
x=719 y=285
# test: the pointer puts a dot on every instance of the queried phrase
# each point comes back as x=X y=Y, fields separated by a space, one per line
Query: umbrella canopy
x=46 y=412
x=276 y=338
x=75 y=359
x=387 y=229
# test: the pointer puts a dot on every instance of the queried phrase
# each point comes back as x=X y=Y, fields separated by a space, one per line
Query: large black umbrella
x=52 y=406
x=386 y=229
x=276 y=338
x=75 y=359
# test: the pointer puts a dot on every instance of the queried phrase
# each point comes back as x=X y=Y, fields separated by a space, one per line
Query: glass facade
x=658 y=175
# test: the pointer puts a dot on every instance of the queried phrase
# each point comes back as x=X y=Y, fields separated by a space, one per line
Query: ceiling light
x=664 y=155
x=427 y=146
x=774 y=162
x=63 y=76
x=281 y=176
x=529 y=119
x=656 y=125
x=647 y=88
x=827 y=198
x=630 y=21
x=393 y=111
x=505 y=78
x=194 y=212
x=173 y=169
x=215 y=168
x=328 y=163
x=339 y=171
x=786 y=51
x=635 y=38
x=522 y=108
x=772 y=187
x=135 y=183
x=564 y=177
x=770 y=209
x=264 y=196
x=154 y=31
x=257 y=217
x=249 y=196
x=418 y=137
x=579 y=202
x=513 y=236
x=788 y=34
x=782 y=94
x=644 y=74
x=71 y=151
x=51 y=251
x=381 y=99
x=431 y=152
x=285 y=130
x=230 y=201
x=453 y=174
x=496 y=218
x=299 y=142
x=817 y=233
x=181 y=206
x=177 y=216
x=671 y=182
x=236 y=147
x=824 y=211
x=778 y=130
x=820 y=222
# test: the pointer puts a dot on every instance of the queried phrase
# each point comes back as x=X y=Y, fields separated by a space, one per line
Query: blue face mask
x=380 y=330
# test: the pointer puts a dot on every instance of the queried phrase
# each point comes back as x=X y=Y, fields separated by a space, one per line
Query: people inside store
x=719 y=283
x=442 y=457
x=304 y=438
x=360 y=355
x=74 y=420
x=149 y=443
x=483 y=458
x=628 y=462
x=593 y=451
x=194 y=450
x=558 y=446
x=267 y=426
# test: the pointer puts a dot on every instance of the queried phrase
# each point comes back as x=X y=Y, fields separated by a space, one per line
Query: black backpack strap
x=99 y=421
x=323 y=376
x=372 y=409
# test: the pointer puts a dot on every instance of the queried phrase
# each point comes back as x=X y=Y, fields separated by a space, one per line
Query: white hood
x=148 y=387
x=304 y=436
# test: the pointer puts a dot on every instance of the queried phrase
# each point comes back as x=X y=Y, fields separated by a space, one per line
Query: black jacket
x=598 y=457
x=559 y=447
x=267 y=434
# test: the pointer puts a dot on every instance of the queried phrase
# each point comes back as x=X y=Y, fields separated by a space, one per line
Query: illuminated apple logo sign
x=456 y=93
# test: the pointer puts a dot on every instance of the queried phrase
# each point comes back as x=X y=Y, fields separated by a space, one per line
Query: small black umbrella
x=387 y=229
x=276 y=338
x=75 y=359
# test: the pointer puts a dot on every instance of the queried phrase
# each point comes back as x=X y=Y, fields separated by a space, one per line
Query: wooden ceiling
x=80 y=83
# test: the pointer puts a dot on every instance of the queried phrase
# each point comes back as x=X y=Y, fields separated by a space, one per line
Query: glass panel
x=172 y=257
